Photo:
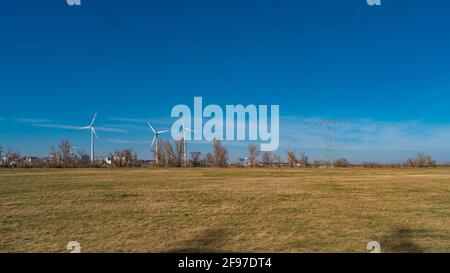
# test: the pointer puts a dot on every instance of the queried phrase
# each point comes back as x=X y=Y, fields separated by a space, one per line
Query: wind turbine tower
x=93 y=133
x=155 y=140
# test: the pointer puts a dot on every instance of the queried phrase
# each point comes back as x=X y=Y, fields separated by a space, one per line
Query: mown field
x=225 y=210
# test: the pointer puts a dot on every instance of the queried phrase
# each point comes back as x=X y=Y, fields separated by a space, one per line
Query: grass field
x=225 y=210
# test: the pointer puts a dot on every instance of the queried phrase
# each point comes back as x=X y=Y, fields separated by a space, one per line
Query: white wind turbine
x=93 y=133
x=155 y=139
x=184 y=142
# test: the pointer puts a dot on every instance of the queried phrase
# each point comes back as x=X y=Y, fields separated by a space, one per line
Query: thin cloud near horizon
x=71 y=127
x=33 y=120
x=362 y=139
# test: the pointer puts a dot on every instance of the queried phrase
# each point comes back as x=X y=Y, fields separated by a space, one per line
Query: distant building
x=150 y=162
x=30 y=159
x=107 y=160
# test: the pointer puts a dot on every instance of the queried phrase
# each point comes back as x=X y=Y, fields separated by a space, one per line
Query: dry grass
x=225 y=210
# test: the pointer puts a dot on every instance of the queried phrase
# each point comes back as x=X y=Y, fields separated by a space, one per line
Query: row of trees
x=64 y=156
x=172 y=155
x=8 y=157
x=169 y=155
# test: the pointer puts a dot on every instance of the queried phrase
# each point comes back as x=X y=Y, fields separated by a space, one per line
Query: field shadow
x=401 y=240
x=210 y=240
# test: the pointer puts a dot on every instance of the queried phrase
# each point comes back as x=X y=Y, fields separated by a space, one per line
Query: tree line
x=171 y=154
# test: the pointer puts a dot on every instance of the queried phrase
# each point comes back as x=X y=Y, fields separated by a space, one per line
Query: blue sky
x=383 y=70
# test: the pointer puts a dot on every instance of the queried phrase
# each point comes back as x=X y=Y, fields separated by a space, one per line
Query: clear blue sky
x=385 y=70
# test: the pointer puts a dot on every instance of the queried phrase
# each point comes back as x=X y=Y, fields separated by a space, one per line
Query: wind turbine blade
x=85 y=127
x=93 y=120
x=162 y=132
x=153 y=141
x=93 y=131
x=151 y=127
x=186 y=128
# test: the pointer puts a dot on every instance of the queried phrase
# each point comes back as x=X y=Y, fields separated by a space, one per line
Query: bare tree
x=422 y=160
x=220 y=154
x=410 y=163
x=54 y=157
x=291 y=158
x=116 y=159
x=168 y=157
x=196 y=159
x=65 y=150
x=267 y=159
x=159 y=156
x=425 y=161
x=124 y=158
x=209 y=160
x=83 y=157
x=130 y=157
x=303 y=161
x=341 y=163
x=275 y=159
x=253 y=154
x=317 y=163
x=1 y=156
x=13 y=157
x=179 y=152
